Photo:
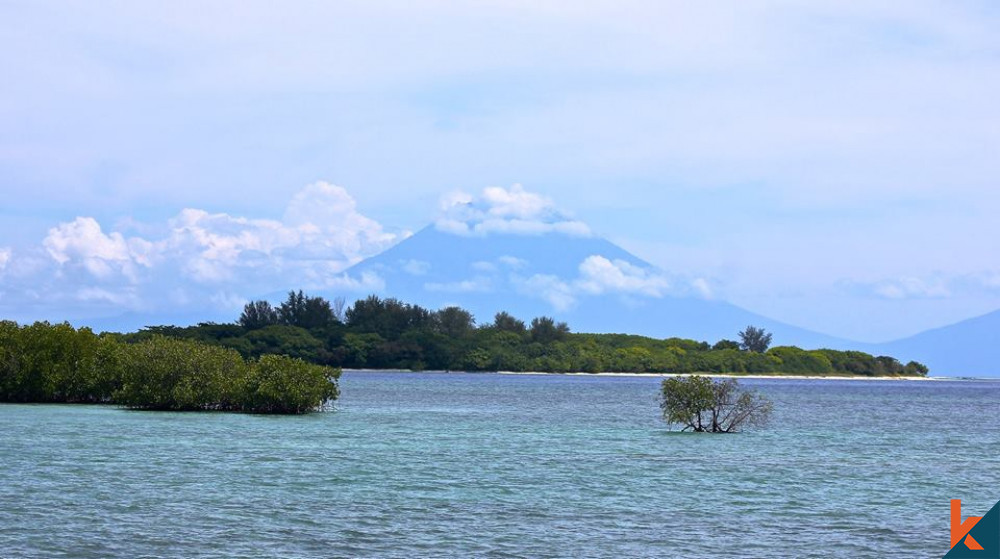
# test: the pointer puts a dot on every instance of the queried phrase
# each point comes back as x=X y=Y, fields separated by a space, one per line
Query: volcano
x=586 y=281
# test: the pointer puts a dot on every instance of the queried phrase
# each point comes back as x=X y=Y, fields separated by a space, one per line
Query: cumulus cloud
x=500 y=210
x=321 y=225
x=202 y=258
x=597 y=275
x=82 y=242
x=5 y=256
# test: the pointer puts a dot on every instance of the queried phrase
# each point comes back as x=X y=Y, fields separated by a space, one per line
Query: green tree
x=174 y=374
x=306 y=312
x=507 y=323
x=455 y=322
x=258 y=314
x=916 y=369
x=545 y=330
x=389 y=318
x=283 y=385
x=798 y=361
x=755 y=339
x=700 y=404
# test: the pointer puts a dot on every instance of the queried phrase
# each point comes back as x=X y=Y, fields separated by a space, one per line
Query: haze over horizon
x=829 y=166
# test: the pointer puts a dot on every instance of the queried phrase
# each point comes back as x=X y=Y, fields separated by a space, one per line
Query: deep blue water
x=486 y=465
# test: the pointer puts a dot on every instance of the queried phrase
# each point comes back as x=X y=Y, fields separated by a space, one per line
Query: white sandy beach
x=665 y=375
x=753 y=376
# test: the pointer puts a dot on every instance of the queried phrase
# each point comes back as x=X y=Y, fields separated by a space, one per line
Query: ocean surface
x=488 y=465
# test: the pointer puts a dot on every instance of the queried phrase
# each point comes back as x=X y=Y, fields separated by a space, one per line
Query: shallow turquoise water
x=415 y=465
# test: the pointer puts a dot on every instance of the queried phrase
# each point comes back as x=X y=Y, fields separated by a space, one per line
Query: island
x=288 y=358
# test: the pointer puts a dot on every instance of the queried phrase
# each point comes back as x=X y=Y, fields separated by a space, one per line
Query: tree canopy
x=58 y=363
x=754 y=339
x=391 y=334
x=700 y=404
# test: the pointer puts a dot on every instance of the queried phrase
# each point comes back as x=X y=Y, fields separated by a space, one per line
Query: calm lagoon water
x=486 y=465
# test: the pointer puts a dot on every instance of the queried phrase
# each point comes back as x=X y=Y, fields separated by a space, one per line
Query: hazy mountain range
x=596 y=286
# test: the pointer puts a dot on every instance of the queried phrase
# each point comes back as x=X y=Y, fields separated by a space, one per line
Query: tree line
x=386 y=333
x=43 y=362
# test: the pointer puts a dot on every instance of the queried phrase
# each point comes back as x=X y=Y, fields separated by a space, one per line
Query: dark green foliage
x=507 y=323
x=755 y=339
x=700 y=404
x=388 y=318
x=303 y=311
x=545 y=330
x=57 y=363
x=280 y=384
x=455 y=322
x=797 y=361
x=53 y=363
x=284 y=340
x=258 y=314
x=915 y=369
x=175 y=374
x=389 y=334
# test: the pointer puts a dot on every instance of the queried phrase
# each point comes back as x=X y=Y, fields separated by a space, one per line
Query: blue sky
x=830 y=164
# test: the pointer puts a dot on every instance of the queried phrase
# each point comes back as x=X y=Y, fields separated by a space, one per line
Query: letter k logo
x=961 y=529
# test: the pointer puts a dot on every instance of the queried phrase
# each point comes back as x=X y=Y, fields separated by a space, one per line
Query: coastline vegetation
x=60 y=364
x=376 y=333
x=287 y=359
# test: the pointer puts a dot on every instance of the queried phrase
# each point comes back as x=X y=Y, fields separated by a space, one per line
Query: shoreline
x=671 y=375
x=735 y=376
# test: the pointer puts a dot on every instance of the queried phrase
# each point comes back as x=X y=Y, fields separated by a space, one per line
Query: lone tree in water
x=755 y=340
x=700 y=404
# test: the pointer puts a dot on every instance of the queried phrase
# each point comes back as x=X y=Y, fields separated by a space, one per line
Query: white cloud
x=5 y=256
x=909 y=288
x=599 y=275
x=82 y=242
x=500 y=210
x=515 y=202
x=320 y=226
x=124 y=299
x=930 y=286
x=203 y=259
x=702 y=288
x=328 y=221
x=478 y=284
x=228 y=301
x=484 y=266
x=367 y=282
x=560 y=294
x=509 y=262
x=415 y=267
x=513 y=262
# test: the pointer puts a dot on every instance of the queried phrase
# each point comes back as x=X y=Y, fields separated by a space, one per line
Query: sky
x=830 y=164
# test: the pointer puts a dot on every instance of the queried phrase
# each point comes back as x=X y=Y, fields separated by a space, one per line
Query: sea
x=416 y=465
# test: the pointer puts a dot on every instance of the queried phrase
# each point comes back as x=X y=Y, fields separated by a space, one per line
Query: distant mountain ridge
x=595 y=286
x=525 y=274
x=967 y=348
